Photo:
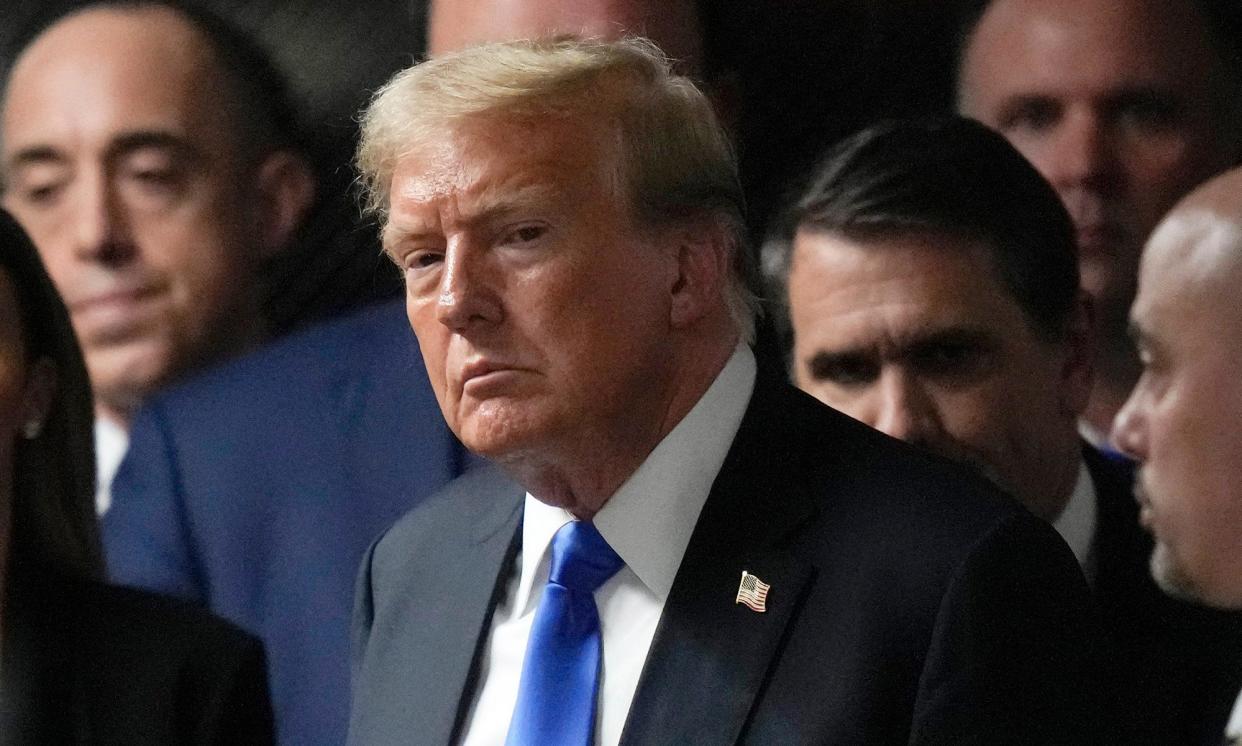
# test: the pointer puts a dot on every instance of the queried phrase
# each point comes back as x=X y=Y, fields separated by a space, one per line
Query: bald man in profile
x=256 y=489
x=1181 y=423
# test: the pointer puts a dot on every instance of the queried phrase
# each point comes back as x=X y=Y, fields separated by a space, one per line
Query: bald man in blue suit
x=255 y=489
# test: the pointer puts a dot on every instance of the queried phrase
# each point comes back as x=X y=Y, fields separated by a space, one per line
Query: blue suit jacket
x=256 y=488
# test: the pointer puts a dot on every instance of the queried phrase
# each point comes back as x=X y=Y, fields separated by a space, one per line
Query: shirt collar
x=649 y=519
x=111 y=442
x=1234 y=728
x=1076 y=524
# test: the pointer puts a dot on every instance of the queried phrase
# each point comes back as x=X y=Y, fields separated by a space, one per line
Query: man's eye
x=843 y=370
x=39 y=194
x=1030 y=116
x=1149 y=113
x=423 y=259
x=949 y=360
x=525 y=234
x=155 y=177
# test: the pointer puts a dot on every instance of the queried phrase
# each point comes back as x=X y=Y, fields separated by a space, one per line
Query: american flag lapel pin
x=753 y=592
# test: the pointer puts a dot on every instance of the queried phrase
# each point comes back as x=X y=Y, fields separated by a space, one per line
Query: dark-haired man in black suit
x=932 y=289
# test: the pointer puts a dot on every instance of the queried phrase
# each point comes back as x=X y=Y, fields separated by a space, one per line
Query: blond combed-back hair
x=677 y=161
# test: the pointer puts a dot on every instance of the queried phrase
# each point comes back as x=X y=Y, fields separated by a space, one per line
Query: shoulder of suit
x=867 y=474
x=482 y=498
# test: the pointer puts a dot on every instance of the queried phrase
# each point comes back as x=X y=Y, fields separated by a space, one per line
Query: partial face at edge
x=1181 y=421
x=122 y=165
x=918 y=338
x=1114 y=103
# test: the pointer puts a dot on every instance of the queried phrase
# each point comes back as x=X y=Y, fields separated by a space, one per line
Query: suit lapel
x=722 y=649
x=441 y=628
x=497 y=538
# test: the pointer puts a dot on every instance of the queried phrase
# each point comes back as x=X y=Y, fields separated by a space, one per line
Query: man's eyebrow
x=35 y=154
x=498 y=199
x=122 y=144
x=1017 y=103
x=956 y=336
x=824 y=361
x=128 y=142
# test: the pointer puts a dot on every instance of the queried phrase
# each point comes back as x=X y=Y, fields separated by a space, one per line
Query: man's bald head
x=672 y=24
x=1181 y=421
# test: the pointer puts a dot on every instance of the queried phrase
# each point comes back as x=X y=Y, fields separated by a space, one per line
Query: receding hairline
x=1215 y=35
x=254 y=128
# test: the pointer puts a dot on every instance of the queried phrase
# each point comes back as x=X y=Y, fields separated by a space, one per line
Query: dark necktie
x=560 y=676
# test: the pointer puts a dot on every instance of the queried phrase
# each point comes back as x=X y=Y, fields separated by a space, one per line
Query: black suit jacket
x=1175 y=667
x=86 y=663
x=909 y=603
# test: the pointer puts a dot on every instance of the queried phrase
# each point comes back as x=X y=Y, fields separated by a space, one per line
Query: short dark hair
x=53 y=509
x=266 y=118
x=946 y=176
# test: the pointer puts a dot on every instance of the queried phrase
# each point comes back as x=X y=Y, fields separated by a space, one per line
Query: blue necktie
x=560 y=675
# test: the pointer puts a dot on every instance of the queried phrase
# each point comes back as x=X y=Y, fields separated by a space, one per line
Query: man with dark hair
x=932 y=292
x=155 y=172
x=1124 y=106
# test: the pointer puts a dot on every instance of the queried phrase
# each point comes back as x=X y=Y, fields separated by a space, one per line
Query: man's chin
x=1171 y=577
x=123 y=375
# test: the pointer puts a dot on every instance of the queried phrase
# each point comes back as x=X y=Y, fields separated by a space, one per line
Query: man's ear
x=286 y=192
x=702 y=264
x=1078 y=366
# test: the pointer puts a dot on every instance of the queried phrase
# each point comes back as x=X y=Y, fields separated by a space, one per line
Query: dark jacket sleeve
x=235 y=705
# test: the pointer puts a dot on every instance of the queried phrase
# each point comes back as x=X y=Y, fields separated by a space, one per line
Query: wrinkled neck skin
x=581 y=475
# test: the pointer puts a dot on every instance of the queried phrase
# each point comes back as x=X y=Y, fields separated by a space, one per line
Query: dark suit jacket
x=1176 y=667
x=909 y=603
x=256 y=489
x=85 y=663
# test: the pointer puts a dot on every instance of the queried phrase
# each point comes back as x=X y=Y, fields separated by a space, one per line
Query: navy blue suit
x=256 y=488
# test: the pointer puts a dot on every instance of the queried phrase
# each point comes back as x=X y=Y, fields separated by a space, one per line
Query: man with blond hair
x=664 y=519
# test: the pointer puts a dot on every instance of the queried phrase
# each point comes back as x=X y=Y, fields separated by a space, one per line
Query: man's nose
x=1129 y=433
x=906 y=410
x=101 y=224
x=467 y=296
x=1082 y=154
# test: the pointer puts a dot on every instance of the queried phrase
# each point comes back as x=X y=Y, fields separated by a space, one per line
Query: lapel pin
x=753 y=592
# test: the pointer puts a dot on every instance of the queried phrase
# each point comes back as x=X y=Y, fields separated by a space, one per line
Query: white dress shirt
x=111 y=442
x=1077 y=521
x=1234 y=729
x=648 y=522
